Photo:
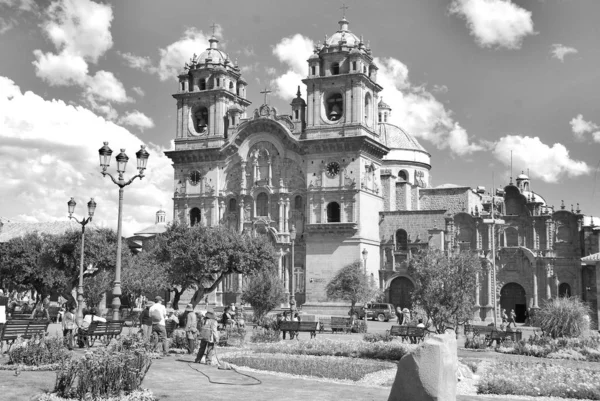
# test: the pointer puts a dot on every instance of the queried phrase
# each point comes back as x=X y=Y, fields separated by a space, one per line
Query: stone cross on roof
x=266 y=92
x=344 y=7
x=214 y=27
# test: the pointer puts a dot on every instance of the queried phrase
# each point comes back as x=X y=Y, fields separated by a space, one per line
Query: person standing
x=504 y=316
x=146 y=321
x=191 y=330
x=158 y=314
x=209 y=335
x=399 y=314
x=69 y=325
x=512 y=318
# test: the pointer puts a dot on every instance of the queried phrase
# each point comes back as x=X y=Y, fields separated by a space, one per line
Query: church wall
x=416 y=223
x=452 y=199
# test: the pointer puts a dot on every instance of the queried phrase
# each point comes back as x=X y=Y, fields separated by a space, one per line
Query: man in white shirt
x=158 y=314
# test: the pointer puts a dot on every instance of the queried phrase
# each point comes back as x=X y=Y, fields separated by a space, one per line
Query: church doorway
x=564 y=290
x=401 y=291
x=512 y=296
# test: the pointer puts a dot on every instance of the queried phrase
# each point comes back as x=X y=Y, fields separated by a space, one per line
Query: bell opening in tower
x=335 y=107
x=201 y=116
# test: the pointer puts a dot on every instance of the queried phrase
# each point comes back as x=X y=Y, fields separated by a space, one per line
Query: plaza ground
x=173 y=378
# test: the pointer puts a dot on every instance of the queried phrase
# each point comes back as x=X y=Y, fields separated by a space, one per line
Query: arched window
x=335 y=69
x=298 y=203
x=231 y=85
x=333 y=212
x=296 y=114
x=403 y=174
x=202 y=84
x=335 y=107
x=564 y=290
x=512 y=237
x=262 y=204
x=232 y=205
x=379 y=118
x=313 y=70
x=368 y=108
x=354 y=66
x=182 y=85
x=201 y=116
x=401 y=240
x=194 y=216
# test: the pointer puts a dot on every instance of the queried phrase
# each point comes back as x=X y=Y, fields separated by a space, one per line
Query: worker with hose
x=209 y=335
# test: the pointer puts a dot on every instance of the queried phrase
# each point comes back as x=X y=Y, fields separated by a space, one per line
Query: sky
x=472 y=80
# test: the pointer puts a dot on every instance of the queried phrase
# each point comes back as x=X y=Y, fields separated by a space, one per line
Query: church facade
x=343 y=184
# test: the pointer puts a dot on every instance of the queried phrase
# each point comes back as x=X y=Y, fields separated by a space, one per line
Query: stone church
x=339 y=183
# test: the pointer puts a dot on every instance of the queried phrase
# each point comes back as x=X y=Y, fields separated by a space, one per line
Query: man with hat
x=209 y=335
x=191 y=327
x=146 y=320
x=158 y=314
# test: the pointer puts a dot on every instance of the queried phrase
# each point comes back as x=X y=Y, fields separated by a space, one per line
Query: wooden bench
x=415 y=334
x=107 y=331
x=324 y=323
x=341 y=324
x=20 y=316
x=26 y=329
x=399 y=331
x=297 y=327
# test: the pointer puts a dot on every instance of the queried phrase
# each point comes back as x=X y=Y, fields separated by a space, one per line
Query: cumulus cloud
x=548 y=163
x=11 y=10
x=495 y=23
x=137 y=119
x=80 y=32
x=55 y=156
x=138 y=62
x=419 y=112
x=580 y=127
x=559 y=51
x=293 y=51
x=139 y=91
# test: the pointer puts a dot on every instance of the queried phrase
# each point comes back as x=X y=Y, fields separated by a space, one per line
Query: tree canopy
x=445 y=286
x=264 y=291
x=351 y=284
x=200 y=257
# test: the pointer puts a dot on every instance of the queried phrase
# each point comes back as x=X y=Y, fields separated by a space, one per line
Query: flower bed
x=140 y=395
x=540 y=379
x=340 y=368
x=581 y=349
x=393 y=350
x=38 y=351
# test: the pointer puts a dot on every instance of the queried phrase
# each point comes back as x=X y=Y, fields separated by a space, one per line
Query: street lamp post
x=293 y=240
x=365 y=253
x=493 y=221
x=91 y=208
x=142 y=159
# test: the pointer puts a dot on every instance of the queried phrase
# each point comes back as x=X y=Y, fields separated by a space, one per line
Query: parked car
x=379 y=311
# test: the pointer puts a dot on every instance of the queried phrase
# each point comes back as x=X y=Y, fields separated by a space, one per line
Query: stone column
x=286 y=221
x=280 y=218
x=241 y=213
x=270 y=178
x=548 y=280
x=488 y=308
x=556 y=284
x=221 y=210
x=342 y=210
x=186 y=218
x=535 y=288
x=286 y=281
x=477 y=306
x=243 y=184
x=254 y=171
x=219 y=299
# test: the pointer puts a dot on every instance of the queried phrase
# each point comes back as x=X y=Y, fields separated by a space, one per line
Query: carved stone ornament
x=266 y=111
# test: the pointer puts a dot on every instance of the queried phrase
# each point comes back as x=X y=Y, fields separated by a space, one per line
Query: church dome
x=383 y=105
x=522 y=177
x=396 y=138
x=214 y=55
x=343 y=34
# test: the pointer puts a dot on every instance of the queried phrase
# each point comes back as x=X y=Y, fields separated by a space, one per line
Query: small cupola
x=161 y=217
x=298 y=112
x=385 y=111
x=523 y=182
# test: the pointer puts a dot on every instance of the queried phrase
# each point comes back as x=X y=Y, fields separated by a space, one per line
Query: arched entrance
x=564 y=290
x=401 y=290
x=512 y=296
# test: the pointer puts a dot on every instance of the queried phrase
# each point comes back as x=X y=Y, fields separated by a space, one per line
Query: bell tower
x=342 y=87
x=211 y=98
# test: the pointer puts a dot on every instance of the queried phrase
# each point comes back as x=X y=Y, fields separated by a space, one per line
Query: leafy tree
x=351 y=284
x=445 y=286
x=144 y=275
x=264 y=291
x=96 y=286
x=200 y=257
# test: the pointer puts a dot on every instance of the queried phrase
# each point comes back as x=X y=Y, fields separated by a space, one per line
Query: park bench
x=298 y=327
x=20 y=316
x=324 y=323
x=342 y=324
x=105 y=330
x=25 y=329
x=415 y=334
x=491 y=334
x=399 y=331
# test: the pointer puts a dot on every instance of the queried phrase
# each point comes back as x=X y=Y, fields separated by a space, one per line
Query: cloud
x=139 y=91
x=54 y=156
x=293 y=51
x=419 y=112
x=138 y=62
x=560 y=52
x=137 y=119
x=495 y=23
x=16 y=8
x=106 y=87
x=248 y=51
x=62 y=69
x=548 y=163
x=439 y=89
x=580 y=127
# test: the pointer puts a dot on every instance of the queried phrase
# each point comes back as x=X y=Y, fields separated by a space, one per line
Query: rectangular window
x=313 y=70
x=354 y=65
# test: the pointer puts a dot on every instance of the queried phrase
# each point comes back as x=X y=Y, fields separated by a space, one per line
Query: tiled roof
x=153 y=230
x=396 y=138
x=13 y=229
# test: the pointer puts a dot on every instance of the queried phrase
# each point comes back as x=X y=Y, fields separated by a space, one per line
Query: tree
x=200 y=257
x=144 y=275
x=351 y=284
x=445 y=286
x=264 y=291
x=96 y=286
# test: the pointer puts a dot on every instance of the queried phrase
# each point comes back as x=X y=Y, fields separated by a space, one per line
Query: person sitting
x=421 y=324
x=226 y=319
x=172 y=317
x=286 y=318
x=89 y=316
x=40 y=312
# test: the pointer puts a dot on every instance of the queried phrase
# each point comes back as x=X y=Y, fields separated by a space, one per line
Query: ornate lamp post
x=365 y=253
x=293 y=240
x=91 y=208
x=142 y=159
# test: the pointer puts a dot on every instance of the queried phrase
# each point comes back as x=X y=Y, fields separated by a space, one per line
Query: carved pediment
x=266 y=111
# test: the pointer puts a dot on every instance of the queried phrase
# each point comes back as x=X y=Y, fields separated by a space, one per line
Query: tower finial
x=266 y=92
x=214 y=27
x=344 y=7
x=298 y=94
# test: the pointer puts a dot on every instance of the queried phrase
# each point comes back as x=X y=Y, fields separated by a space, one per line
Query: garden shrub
x=265 y=336
x=375 y=337
x=138 y=395
x=110 y=371
x=326 y=367
x=178 y=339
x=233 y=337
x=475 y=342
x=563 y=317
x=587 y=348
x=37 y=351
x=360 y=326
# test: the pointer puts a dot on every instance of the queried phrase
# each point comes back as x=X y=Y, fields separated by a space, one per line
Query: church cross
x=344 y=7
x=214 y=26
x=266 y=92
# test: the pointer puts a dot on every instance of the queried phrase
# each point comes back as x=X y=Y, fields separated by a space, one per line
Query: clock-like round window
x=195 y=177
x=332 y=169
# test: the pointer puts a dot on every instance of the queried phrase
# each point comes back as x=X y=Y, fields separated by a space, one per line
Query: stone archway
x=401 y=289
x=512 y=296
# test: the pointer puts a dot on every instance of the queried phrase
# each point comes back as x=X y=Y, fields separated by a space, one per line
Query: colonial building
x=343 y=184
